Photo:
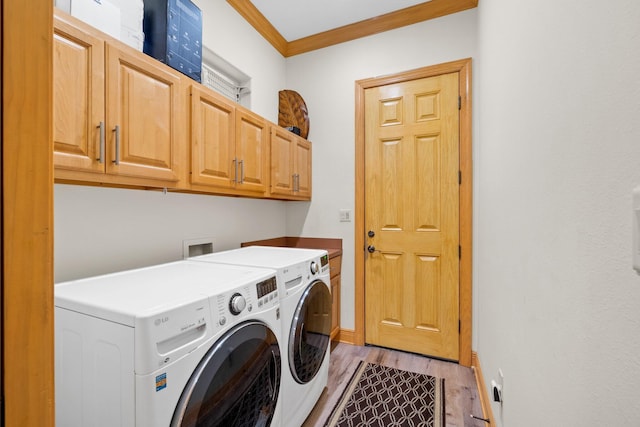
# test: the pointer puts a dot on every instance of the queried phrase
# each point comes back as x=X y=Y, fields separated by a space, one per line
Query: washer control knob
x=237 y=303
x=314 y=268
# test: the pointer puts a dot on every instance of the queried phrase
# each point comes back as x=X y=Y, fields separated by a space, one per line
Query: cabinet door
x=302 y=158
x=282 y=149
x=143 y=115
x=78 y=98
x=212 y=139
x=252 y=155
x=335 y=308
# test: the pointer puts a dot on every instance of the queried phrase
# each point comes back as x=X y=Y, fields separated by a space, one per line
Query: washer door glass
x=310 y=329
x=236 y=383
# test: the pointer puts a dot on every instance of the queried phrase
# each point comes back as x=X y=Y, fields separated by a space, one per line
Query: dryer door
x=310 y=329
x=236 y=383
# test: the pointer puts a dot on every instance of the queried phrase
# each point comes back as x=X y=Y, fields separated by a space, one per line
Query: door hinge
x=459 y=326
x=459 y=103
x=459 y=252
x=459 y=177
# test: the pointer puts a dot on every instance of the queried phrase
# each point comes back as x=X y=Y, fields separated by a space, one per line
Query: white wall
x=227 y=34
x=101 y=230
x=557 y=156
x=326 y=80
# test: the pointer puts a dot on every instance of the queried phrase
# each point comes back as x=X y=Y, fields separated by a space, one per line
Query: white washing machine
x=179 y=344
x=305 y=291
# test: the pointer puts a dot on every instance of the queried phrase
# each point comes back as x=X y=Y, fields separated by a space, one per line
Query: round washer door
x=236 y=383
x=310 y=330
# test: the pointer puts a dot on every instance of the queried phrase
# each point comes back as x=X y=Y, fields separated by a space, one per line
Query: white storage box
x=102 y=14
x=121 y=19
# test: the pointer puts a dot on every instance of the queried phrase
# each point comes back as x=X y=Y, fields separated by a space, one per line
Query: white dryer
x=305 y=291
x=179 y=344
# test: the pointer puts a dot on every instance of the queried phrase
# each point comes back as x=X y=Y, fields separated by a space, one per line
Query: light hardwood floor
x=461 y=392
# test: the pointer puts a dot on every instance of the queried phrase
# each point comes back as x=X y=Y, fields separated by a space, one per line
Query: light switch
x=345 y=215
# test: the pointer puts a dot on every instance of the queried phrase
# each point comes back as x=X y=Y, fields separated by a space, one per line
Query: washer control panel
x=242 y=301
x=267 y=291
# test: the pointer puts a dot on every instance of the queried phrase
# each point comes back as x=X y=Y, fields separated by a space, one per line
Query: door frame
x=463 y=67
x=27 y=213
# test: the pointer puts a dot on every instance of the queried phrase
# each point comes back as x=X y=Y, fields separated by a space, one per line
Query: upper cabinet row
x=123 y=118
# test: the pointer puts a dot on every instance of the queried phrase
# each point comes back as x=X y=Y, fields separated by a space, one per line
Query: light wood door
x=412 y=211
x=212 y=139
x=78 y=98
x=144 y=116
x=252 y=152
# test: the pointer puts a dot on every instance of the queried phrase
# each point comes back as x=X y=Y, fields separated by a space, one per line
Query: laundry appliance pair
x=236 y=338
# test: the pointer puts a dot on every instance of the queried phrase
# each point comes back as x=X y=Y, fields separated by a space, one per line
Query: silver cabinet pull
x=241 y=171
x=235 y=169
x=296 y=182
x=117 y=131
x=100 y=158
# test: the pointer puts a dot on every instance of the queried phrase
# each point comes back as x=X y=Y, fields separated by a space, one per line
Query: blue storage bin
x=173 y=35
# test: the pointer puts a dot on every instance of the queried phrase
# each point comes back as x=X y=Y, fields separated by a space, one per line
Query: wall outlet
x=497 y=388
x=496 y=391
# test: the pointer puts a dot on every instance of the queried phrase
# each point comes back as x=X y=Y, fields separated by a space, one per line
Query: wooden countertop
x=332 y=246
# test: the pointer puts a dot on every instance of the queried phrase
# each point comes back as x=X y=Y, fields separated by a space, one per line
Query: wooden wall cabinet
x=229 y=145
x=290 y=165
x=121 y=118
x=117 y=114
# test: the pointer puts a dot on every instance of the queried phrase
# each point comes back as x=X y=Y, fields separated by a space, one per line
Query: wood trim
x=347 y=336
x=463 y=67
x=408 y=16
x=27 y=213
x=257 y=20
x=483 y=392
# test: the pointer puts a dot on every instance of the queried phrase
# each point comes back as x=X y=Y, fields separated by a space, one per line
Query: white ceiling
x=295 y=19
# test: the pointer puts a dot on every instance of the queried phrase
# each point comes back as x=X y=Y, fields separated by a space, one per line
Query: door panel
x=212 y=139
x=252 y=139
x=143 y=103
x=78 y=98
x=303 y=168
x=412 y=206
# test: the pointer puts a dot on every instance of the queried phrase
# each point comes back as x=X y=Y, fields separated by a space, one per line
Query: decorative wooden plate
x=292 y=111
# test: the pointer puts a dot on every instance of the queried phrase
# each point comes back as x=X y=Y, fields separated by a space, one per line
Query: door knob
x=371 y=233
x=371 y=249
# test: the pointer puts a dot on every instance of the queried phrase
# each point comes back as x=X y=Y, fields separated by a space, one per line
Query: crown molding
x=257 y=20
x=408 y=16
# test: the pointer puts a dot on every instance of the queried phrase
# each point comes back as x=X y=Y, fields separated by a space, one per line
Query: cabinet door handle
x=235 y=168
x=241 y=171
x=296 y=182
x=100 y=158
x=117 y=131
